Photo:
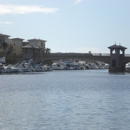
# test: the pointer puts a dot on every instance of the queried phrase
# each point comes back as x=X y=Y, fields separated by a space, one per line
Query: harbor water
x=65 y=100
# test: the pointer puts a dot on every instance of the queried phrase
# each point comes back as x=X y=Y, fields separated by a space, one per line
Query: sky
x=69 y=25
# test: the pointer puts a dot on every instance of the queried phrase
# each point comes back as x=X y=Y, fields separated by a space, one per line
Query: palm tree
x=48 y=50
x=4 y=45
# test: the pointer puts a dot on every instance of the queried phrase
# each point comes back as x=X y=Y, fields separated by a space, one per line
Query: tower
x=117 y=53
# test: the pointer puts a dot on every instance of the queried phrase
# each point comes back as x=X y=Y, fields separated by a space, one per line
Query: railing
x=100 y=54
x=70 y=53
x=80 y=54
x=127 y=55
x=92 y=54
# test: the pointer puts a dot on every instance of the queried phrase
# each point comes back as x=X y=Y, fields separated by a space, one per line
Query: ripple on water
x=65 y=100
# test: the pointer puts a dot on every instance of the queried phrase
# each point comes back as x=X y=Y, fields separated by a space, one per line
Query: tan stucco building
x=17 y=44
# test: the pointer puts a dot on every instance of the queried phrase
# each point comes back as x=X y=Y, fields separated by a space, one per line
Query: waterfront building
x=37 y=43
x=34 y=49
x=17 y=44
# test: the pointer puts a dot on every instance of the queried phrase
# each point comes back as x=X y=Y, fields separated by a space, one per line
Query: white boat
x=15 y=68
x=93 y=66
x=7 y=69
x=56 y=66
x=2 y=60
x=30 y=66
x=47 y=68
x=106 y=66
x=77 y=67
x=38 y=68
x=69 y=65
x=127 y=66
x=87 y=66
x=22 y=67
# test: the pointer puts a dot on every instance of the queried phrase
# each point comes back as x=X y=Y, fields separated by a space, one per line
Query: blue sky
x=69 y=25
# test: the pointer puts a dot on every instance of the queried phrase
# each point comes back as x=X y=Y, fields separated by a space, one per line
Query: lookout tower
x=117 y=53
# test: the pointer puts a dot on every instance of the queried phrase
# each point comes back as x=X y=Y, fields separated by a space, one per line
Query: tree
x=48 y=50
x=4 y=45
x=10 y=49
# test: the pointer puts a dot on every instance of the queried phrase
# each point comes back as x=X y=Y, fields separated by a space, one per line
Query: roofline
x=37 y=40
x=4 y=35
x=16 y=38
x=30 y=47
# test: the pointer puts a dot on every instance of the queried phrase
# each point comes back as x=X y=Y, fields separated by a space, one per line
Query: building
x=17 y=44
x=36 y=44
x=30 y=49
x=33 y=49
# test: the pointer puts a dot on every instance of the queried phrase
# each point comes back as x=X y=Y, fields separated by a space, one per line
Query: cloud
x=21 y=9
x=5 y=23
x=78 y=1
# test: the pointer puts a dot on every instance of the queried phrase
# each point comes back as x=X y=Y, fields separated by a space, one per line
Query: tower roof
x=117 y=47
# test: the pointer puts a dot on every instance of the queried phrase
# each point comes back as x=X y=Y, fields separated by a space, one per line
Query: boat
x=106 y=66
x=2 y=60
x=47 y=68
x=69 y=65
x=77 y=67
x=56 y=66
x=31 y=66
x=7 y=69
x=38 y=68
x=127 y=67
x=22 y=67
x=15 y=68
x=92 y=65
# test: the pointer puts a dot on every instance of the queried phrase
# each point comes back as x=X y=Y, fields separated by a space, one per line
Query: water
x=65 y=100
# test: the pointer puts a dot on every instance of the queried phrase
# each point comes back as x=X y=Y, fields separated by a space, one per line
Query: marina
x=31 y=66
x=64 y=65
